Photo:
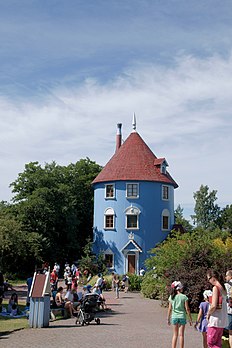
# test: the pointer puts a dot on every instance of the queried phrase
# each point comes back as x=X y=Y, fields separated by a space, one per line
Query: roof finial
x=134 y=123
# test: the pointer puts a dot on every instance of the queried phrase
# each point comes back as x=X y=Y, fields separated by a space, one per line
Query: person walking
x=116 y=285
x=217 y=314
x=228 y=286
x=177 y=309
x=202 y=323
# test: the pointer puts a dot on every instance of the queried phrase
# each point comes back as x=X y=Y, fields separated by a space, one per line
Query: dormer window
x=132 y=190
x=162 y=164
x=109 y=191
x=163 y=168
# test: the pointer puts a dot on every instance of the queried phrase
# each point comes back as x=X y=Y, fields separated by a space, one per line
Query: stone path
x=133 y=322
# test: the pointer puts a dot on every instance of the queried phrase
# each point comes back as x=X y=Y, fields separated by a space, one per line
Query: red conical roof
x=133 y=161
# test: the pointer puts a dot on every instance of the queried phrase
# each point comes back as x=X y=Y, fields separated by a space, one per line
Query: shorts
x=179 y=321
x=229 y=327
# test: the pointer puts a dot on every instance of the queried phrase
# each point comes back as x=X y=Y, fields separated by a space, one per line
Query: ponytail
x=173 y=293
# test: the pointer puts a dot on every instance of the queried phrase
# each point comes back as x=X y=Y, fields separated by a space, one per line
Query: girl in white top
x=217 y=318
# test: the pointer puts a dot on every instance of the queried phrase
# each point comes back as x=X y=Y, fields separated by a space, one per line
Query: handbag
x=219 y=304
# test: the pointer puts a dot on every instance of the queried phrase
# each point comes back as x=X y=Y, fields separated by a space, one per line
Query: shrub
x=151 y=286
x=186 y=257
x=135 y=282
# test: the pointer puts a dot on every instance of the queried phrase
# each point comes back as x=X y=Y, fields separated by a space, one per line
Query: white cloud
x=183 y=113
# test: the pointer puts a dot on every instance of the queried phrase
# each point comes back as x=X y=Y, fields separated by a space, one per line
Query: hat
x=88 y=286
x=207 y=293
x=177 y=285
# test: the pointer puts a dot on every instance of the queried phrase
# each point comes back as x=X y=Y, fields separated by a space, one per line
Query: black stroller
x=89 y=306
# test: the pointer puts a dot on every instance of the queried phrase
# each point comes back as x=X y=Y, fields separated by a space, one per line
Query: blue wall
x=150 y=231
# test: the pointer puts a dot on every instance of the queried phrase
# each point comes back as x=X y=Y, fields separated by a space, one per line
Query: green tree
x=179 y=219
x=226 y=218
x=206 y=211
x=57 y=202
x=186 y=257
x=20 y=250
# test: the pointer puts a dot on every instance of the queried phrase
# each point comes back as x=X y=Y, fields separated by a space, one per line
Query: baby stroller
x=88 y=309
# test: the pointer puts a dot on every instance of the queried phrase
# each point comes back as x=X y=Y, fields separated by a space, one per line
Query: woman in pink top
x=217 y=317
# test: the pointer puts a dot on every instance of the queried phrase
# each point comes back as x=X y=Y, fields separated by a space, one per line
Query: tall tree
x=206 y=210
x=226 y=218
x=20 y=250
x=180 y=220
x=57 y=202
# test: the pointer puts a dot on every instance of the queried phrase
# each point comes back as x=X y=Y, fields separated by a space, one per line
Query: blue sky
x=71 y=70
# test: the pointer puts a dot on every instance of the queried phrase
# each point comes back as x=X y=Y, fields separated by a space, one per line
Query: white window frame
x=109 y=252
x=163 y=169
x=132 y=183
x=132 y=211
x=106 y=197
x=163 y=193
x=109 y=212
x=165 y=213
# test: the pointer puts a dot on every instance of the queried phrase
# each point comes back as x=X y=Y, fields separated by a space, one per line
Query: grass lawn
x=8 y=325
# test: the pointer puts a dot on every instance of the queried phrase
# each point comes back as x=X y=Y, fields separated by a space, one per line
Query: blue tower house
x=133 y=204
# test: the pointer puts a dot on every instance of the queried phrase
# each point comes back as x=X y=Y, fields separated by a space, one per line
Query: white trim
x=110 y=184
x=162 y=193
x=132 y=183
x=136 y=254
x=134 y=211
x=137 y=247
x=166 y=213
x=109 y=212
x=109 y=252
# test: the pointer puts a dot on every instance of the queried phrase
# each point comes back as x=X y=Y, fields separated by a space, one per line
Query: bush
x=135 y=282
x=186 y=257
x=151 y=286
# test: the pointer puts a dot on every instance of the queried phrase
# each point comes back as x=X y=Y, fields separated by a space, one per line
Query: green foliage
x=226 y=218
x=179 y=219
x=135 y=282
x=154 y=287
x=57 y=203
x=186 y=257
x=206 y=211
x=94 y=264
x=19 y=249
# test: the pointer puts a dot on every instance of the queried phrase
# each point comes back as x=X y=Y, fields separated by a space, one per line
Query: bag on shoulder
x=219 y=304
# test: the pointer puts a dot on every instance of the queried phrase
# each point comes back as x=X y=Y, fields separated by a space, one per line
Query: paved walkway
x=132 y=322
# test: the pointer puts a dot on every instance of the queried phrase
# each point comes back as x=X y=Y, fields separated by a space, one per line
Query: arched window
x=165 y=220
x=109 y=221
x=132 y=217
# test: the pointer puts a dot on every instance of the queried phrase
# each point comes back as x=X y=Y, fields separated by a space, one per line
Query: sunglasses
x=209 y=278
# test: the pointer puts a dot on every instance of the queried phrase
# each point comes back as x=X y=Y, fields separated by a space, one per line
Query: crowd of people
x=69 y=297
x=215 y=312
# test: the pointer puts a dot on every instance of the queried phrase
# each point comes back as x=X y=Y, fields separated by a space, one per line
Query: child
x=201 y=319
x=178 y=306
x=13 y=302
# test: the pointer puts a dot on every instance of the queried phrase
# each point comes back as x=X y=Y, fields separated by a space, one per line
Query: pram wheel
x=98 y=321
